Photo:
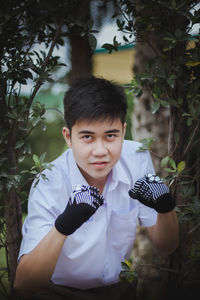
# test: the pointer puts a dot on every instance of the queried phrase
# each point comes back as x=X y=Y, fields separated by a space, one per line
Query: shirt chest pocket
x=121 y=232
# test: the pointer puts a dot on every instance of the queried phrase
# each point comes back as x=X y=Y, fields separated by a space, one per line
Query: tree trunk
x=182 y=282
x=13 y=217
x=81 y=52
x=81 y=62
x=12 y=205
x=146 y=124
x=13 y=211
x=179 y=272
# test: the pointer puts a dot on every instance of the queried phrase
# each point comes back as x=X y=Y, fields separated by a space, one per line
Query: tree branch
x=190 y=142
x=39 y=83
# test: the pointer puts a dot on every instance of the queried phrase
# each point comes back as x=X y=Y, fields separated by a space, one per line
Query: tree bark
x=13 y=210
x=182 y=283
x=12 y=205
x=13 y=216
x=179 y=272
x=146 y=124
x=81 y=57
x=81 y=52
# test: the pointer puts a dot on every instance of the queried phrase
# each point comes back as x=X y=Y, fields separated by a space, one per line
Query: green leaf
x=164 y=103
x=108 y=47
x=27 y=149
x=172 y=163
x=164 y=161
x=36 y=159
x=171 y=80
x=138 y=92
x=181 y=166
x=170 y=170
x=125 y=39
x=42 y=157
x=19 y=144
x=92 y=41
x=49 y=79
x=119 y=23
x=189 y=121
x=36 y=183
x=90 y=24
x=22 y=80
x=155 y=107
x=35 y=121
x=44 y=177
x=3 y=174
x=192 y=63
x=173 y=102
x=125 y=266
x=128 y=263
x=176 y=137
x=146 y=144
x=48 y=166
x=21 y=158
x=186 y=114
x=34 y=172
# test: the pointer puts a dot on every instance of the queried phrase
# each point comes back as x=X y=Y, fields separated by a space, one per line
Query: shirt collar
x=75 y=174
x=118 y=174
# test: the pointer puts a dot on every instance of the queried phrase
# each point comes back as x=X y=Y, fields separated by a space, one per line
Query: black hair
x=93 y=98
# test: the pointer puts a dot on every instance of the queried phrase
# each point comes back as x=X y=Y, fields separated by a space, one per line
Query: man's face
x=96 y=147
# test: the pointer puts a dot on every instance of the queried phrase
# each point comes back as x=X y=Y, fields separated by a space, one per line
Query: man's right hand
x=83 y=203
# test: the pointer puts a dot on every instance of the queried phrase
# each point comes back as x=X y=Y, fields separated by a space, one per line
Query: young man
x=82 y=221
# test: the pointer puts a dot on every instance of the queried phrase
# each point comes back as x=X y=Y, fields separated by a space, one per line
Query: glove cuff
x=165 y=203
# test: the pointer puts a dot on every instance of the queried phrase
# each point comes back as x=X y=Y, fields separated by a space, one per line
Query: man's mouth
x=100 y=164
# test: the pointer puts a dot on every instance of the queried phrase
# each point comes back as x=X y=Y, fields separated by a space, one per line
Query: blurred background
x=89 y=26
x=117 y=66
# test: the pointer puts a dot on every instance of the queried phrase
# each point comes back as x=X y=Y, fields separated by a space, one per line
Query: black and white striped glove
x=151 y=191
x=83 y=203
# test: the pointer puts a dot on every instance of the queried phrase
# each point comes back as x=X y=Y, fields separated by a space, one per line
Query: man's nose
x=100 y=148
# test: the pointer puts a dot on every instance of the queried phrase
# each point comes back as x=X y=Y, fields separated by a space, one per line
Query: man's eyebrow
x=92 y=132
x=113 y=131
x=85 y=132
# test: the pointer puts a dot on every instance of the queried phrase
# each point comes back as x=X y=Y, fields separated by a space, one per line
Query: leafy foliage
x=171 y=77
x=127 y=274
x=29 y=33
x=24 y=25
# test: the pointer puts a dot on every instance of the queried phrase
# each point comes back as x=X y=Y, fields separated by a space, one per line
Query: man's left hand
x=151 y=191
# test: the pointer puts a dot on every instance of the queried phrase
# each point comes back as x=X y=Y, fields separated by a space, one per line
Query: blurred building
x=117 y=66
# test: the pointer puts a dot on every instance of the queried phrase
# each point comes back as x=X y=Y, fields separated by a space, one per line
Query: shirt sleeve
x=147 y=215
x=46 y=201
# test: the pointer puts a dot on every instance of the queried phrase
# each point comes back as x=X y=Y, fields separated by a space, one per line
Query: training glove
x=151 y=191
x=83 y=203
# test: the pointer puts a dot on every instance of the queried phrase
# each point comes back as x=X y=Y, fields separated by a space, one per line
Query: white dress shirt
x=92 y=255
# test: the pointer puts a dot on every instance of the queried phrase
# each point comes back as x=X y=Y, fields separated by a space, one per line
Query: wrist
x=58 y=233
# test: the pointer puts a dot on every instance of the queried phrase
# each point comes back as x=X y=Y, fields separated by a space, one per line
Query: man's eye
x=87 y=137
x=111 y=136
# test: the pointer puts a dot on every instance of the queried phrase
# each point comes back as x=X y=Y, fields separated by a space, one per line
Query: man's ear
x=124 y=128
x=67 y=136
